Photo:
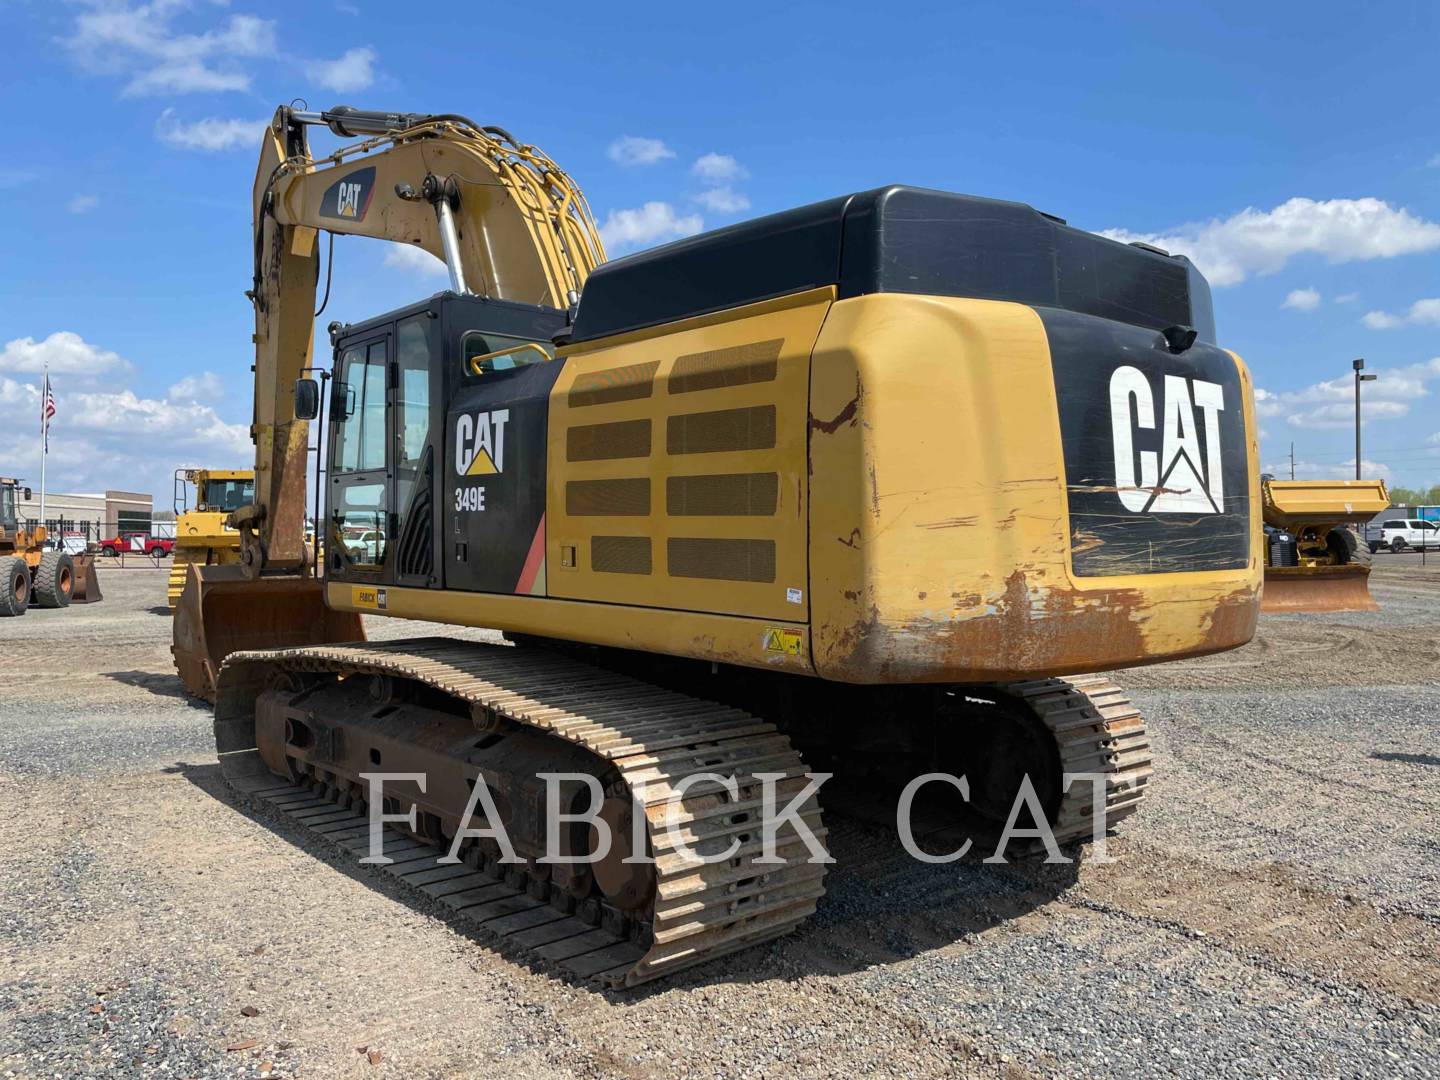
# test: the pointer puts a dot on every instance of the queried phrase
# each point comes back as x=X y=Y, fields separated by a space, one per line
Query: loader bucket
x=86 y=589
x=221 y=612
x=1318 y=588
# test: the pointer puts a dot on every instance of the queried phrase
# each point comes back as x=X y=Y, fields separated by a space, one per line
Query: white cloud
x=127 y=416
x=1342 y=414
x=67 y=354
x=723 y=200
x=194 y=388
x=139 y=42
x=648 y=224
x=1421 y=313
x=353 y=71
x=1267 y=403
x=1302 y=300
x=1343 y=470
x=629 y=150
x=1347 y=298
x=718 y=169
x=18 y=393
x=1261 y=242
x=1331 y=403
x=414 y=258
x=104 y=434
x=210 y=134
x=82 y=204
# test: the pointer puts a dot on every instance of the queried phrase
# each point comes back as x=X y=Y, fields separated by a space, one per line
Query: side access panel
x=678 y=464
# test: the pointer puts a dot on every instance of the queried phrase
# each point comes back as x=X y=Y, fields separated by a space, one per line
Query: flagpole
x=44 y=424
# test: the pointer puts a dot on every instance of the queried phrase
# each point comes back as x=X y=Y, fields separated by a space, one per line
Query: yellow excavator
x=201 y=535
x=872 y=486
x=1316 y=558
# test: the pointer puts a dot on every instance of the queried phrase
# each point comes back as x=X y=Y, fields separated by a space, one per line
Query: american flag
x=47 y=410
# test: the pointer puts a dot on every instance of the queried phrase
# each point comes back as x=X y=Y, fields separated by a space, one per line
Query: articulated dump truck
x=1316 y=558
x=871 y=487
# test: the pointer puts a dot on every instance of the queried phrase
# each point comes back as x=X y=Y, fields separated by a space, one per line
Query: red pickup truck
x=125 y=542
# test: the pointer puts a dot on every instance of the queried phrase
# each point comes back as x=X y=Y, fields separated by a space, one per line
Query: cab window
x=482 y=343
x=361 y=409
x=229 y=494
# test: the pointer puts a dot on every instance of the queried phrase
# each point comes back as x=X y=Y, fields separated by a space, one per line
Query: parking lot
x=1275 y=907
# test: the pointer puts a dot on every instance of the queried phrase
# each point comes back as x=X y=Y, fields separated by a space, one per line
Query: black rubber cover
x=898 y=239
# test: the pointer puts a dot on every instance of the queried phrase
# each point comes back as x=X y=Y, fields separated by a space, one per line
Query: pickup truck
x=1399 y=534
x=126 y=543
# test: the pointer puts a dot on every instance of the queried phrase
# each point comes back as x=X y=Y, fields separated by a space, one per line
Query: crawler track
x=654 y=737
x=1097 y=730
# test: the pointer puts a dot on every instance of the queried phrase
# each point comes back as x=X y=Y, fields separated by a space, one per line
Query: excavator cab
x=396 y=379
x=452 y=373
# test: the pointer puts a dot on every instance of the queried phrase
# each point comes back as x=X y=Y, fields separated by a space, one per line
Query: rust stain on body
x=845 y=416
x=1032 y=630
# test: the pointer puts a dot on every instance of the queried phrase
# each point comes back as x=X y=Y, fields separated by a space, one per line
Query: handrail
x=476 y=361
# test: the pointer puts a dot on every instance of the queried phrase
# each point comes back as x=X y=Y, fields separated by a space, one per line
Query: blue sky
x=1291 y=148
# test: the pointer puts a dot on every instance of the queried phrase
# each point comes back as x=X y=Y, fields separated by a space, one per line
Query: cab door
x=360 y=490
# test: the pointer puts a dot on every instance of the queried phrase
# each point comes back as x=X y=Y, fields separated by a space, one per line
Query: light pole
x=1359 y=366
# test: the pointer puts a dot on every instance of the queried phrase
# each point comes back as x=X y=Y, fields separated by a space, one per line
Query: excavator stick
x=221 y=611
x=1317 y=588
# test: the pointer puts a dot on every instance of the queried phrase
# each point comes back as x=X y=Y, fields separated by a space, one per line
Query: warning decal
x=780 y=640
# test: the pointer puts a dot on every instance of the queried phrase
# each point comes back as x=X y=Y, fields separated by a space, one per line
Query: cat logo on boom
x=349 y=198
x=1178 y=479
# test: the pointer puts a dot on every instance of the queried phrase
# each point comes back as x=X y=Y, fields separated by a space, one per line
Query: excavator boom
x=509 y=225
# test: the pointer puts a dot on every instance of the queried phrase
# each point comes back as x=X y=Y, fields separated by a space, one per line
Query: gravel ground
x=1275 y=908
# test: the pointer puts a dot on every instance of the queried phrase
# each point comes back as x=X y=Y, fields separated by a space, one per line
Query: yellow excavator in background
x=201 y=535
x=1316 y=558
x=877 y=480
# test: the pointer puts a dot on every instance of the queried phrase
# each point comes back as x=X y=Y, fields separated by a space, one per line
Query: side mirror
x=307 y=399
x=27 y=495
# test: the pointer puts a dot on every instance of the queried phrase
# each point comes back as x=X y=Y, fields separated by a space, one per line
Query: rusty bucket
x=86 y=589
x=1317 y=588
x=221 y=611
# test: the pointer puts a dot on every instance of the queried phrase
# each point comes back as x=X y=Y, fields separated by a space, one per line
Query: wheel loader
x=31 y=572
x=1315 y=559
x=201 y=535
x=871 y=487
